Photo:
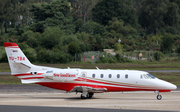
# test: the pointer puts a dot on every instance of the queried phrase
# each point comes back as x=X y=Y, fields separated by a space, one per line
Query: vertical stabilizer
x=18 y=62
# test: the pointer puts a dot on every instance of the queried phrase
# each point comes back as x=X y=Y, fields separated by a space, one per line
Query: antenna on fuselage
x=97 y=68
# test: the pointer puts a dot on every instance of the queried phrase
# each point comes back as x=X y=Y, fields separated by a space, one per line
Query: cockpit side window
x=145 y=76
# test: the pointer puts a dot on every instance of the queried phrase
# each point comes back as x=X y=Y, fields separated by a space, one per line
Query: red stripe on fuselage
x=69 y=86
x=114 y=84
x=26 y=74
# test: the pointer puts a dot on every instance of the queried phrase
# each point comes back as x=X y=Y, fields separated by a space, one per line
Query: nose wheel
x=159 y=97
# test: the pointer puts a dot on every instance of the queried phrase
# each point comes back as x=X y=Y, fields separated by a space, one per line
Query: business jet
x=85 y=81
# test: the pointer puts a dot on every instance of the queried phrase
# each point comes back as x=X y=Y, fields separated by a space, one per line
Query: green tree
x=51 y=37
x=167 y=43
x=105 y=10
x=118 y=47
x=56 y=13
x=73 y=48
x=8 y=13
x=117 y=29
x=82 y=8
x=78 y=23
x=92 y=28
x=152 y=13
x=172 y=16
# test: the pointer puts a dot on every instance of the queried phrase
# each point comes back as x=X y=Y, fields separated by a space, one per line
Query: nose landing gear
x=159 y=97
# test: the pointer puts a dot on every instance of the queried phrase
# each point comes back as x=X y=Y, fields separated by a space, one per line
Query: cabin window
x=102 y=75
x=110 y=75
x=93 y=75
x=118 y=76
x=126 y=76
x=83 y=75
x=141 y=77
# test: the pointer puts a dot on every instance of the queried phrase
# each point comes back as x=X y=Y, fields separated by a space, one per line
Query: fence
x=152 y=55
x=91 y=56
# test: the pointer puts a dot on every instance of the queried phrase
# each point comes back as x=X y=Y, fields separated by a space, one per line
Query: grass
x=9 y=79
x=170 y=77
x=169 y=65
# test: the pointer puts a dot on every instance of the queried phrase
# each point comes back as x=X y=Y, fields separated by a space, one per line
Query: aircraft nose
x=172 y=86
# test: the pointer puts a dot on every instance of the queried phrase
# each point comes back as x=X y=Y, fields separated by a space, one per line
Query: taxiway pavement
x=128 y=101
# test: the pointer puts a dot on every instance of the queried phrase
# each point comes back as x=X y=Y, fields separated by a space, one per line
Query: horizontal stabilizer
x=28 y=81
x=21 y=65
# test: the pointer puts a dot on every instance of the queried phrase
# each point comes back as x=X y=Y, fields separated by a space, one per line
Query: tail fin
x=18 y=62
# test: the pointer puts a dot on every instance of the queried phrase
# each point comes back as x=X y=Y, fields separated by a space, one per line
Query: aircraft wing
x=89 y=89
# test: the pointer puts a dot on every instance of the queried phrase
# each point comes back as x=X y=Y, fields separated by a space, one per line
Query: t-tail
x=19 y=64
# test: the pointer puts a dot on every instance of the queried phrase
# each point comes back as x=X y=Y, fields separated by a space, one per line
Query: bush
x=43 y=56
x=30 y=54
x=109 y=59
x=167 y=43
x=32 y=42
x=4 y=58
x=47 y=56
x=26 y=35
x=104 y=60
x=121 y=59
x=73 y=48
x=158 y=56
x=178 y=50
x=60 y=57
x=118 y=47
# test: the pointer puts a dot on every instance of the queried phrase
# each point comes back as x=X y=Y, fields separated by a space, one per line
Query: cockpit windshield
x=151 y=76
x=148 y=76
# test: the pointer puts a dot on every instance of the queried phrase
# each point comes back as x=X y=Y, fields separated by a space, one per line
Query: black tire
x=90 y=95
x=83 y=97
x=159 y=97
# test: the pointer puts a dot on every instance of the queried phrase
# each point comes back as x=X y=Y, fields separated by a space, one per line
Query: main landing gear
x=85 y=94
x=88 y=95
x=159 y=97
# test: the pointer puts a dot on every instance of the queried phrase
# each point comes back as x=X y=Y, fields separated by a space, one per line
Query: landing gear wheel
x=91 y=95
x=159 y=97
x=83 y=97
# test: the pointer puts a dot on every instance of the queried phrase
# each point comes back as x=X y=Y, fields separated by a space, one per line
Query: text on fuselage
x=64 y=75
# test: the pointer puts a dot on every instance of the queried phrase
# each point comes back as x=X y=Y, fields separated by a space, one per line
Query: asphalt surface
x=101 y=102
x=11 y=108
x=27 y=88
